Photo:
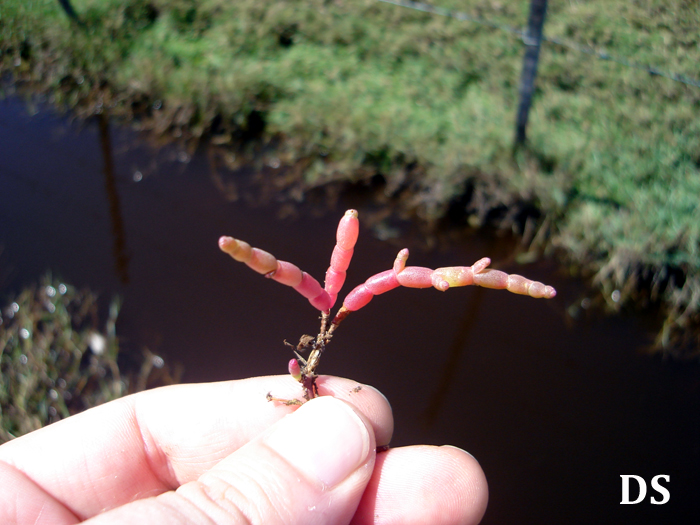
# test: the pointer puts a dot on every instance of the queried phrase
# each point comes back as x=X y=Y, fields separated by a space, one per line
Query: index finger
x=154 y=441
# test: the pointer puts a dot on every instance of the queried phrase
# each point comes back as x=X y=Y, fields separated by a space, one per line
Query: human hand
x=220 y=453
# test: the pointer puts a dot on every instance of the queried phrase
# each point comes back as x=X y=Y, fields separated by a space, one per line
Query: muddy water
x=555 y=409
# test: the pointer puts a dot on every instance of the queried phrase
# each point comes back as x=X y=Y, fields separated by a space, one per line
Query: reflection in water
x=555 y=411
x=121 y=259
x=455 y=353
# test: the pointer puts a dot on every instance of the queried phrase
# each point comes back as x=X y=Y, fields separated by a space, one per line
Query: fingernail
x=462 y=450
x=324 y=439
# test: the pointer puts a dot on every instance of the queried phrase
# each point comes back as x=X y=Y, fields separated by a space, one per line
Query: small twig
x=322 y=332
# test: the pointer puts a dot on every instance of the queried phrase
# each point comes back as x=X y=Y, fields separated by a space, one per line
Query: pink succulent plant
x=303 y=370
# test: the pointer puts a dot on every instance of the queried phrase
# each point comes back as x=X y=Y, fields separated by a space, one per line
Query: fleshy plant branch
x=304 y=370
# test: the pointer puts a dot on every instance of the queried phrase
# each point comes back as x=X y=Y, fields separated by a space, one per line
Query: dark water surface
x=555 y=410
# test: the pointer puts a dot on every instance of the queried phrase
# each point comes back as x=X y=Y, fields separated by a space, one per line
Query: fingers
x=152 y=442
x=367 y=399
x=23 y=501
x=216 y=444
x=424 y=484
x=310 y=467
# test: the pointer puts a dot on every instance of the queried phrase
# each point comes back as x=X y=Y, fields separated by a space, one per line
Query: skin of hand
x=220 y=453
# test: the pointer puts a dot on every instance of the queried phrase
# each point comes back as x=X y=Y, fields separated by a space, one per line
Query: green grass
x=356 y=88
x=56 y=360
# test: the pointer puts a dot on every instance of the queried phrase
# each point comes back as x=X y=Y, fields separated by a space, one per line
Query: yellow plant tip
x=239 y=250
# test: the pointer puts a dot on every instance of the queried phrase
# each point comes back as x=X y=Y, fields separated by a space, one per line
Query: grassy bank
x=355 y=88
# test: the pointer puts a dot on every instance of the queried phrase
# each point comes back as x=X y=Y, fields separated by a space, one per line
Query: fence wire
x=522 y=34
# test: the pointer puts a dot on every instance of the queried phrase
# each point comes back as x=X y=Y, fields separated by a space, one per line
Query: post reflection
x=119 y=252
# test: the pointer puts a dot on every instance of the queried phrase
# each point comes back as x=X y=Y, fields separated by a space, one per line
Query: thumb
x=311 y=467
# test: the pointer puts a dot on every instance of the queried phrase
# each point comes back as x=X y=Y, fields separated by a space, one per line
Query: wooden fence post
x=532 y=39
x=68 y=8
